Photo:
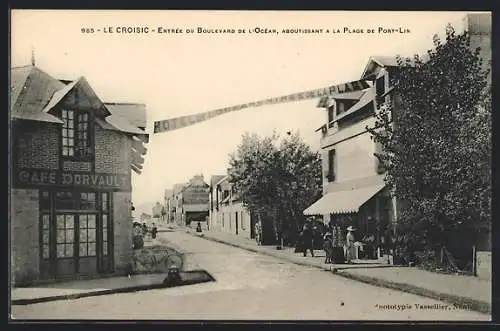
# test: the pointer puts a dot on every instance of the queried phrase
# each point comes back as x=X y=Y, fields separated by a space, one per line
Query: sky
x=177 y=74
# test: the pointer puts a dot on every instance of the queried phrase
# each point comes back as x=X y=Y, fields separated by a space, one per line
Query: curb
x=460 y=302
x=129 y=289
x=280 y=256
x=23 y=302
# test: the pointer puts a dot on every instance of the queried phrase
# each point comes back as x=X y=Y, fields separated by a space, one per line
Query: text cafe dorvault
x=31 y=177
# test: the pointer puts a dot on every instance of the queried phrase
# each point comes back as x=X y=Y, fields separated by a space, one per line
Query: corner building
x=71 y=157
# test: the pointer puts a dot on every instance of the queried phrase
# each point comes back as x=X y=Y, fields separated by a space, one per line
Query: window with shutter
x=331 y=165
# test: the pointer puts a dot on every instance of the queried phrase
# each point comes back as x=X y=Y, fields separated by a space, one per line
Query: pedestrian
x=198 y=227
x=328 y=247
x=258 y=233
x=350 y=248
x=308 y=238
x=154 y=231
x=144 y=228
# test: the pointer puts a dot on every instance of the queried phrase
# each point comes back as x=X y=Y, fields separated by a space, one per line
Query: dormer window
x=76 y=139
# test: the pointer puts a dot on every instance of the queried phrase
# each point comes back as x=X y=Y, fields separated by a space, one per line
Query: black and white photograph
x=231 y=165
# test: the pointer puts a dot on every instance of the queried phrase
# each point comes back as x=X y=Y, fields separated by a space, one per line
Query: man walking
x=308 y=239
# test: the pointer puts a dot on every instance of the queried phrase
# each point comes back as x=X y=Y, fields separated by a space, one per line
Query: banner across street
x=188 y=120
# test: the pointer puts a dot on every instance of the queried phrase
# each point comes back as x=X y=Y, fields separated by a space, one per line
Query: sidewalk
x=84 y=288
x=465 y=291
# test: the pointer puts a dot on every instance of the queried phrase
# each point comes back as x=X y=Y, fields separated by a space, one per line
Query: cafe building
x=71 y=161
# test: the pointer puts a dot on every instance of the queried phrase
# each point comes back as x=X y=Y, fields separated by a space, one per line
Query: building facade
x=188 y=202
x=157 y=210
x=227 y=212
x=167 y=198
x=71 y=157
x=353 y=187
x=354 y=192
x=214 y=197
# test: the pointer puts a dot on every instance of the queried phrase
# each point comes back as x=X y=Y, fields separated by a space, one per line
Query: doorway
x=76 y=235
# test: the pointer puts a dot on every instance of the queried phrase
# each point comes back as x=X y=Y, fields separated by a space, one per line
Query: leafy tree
x=276 y=180
x=436 y=142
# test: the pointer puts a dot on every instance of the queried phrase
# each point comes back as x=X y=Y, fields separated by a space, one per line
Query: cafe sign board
x=25 y=178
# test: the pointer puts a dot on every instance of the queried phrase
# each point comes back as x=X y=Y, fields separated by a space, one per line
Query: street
x=250 y=286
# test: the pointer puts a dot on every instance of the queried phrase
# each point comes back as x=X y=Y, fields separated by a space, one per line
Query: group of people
x=310 y=232
x=313 y=235
x=154 y=230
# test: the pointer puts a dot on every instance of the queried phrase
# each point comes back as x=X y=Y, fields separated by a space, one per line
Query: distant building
x=157 y=210
x=188 y=202
x=175 y=203
x=214 y=199
x=72 y=156
x=167 y=198
x=227 y=213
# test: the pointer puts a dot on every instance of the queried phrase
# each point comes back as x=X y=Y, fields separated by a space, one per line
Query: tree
x=436 y=145
x=163 y=213
x=276 y=180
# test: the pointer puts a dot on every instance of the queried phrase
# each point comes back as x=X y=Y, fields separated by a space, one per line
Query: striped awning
x=343 y=202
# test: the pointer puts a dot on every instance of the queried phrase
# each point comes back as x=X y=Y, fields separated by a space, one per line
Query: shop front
x=70 y=191
x=76 y=221
x=367 y=207
x=76 y=228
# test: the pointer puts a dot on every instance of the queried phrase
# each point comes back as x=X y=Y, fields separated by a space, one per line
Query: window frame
x=75 y=136
x=331 y=115
x=84 y=219
x=340 y=107
x=331 y=165
x=380 y=88
x=106 y=227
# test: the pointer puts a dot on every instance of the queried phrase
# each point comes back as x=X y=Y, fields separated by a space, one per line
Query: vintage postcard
x=250 y=165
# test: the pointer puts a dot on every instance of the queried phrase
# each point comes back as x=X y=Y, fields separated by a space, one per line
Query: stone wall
x=122 y=219
x=24 y=233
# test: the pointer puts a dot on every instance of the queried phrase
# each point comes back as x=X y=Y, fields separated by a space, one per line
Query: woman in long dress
x=350 y=248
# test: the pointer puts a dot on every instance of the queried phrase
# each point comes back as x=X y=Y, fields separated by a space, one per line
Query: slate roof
x=31 y=89
x=135 y=113
x=215 y=179
x=34 y=93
